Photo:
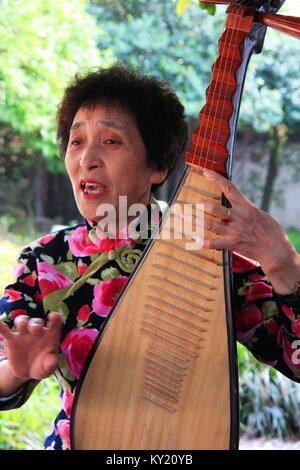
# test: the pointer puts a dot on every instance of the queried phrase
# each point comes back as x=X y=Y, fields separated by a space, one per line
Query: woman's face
x=106 y=159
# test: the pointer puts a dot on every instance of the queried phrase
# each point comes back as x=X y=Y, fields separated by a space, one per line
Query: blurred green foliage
x=181 y=48
x=294 y=236
x=151 y=35
x=269 y=401
x=24 y=428
x=42 y=44
x=272 y=94
x=183 y=4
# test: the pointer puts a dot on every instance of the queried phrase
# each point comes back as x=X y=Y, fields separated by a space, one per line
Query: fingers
x=24 y=324
x=50 y=364
x=216 y=210
x=36 y=326
x=231 y=192
x=21 y=323
x=5 y=331
x=217 y=244
x=219 y=228
x=55 y=324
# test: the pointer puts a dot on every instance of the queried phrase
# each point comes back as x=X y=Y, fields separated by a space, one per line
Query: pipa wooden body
x=141 y=381
x=163 y=374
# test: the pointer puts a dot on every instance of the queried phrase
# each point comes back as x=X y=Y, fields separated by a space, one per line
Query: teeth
x=91 y=185
x=92 y=188
x=86 y=191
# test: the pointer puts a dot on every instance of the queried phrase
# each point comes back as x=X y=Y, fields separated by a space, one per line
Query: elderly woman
x=121 y=134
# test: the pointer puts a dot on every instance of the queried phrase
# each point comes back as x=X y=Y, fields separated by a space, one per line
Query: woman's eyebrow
x=110 y=123
x=77 y=125
x=106 y=122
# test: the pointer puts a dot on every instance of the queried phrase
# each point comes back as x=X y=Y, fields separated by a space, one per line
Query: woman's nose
x=91 y=157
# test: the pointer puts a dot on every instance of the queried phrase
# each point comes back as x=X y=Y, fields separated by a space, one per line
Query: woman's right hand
x=32 y=350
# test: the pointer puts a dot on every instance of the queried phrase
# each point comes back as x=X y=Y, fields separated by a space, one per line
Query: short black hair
x=156 y=109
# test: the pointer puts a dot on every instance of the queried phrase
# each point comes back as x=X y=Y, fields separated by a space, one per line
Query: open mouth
x=92 y=188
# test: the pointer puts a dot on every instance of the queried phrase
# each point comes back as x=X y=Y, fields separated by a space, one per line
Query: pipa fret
x=177 y=308
x=168 y=341
x=174 y=317
x=174 y=336
x=180 y=298
x=192 y=253
x=183 y=276
x=188 y=264
x=178 y=286
x=172 y=325
x=166 y=358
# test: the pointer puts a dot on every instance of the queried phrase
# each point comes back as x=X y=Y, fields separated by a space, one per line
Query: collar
x=144 y=226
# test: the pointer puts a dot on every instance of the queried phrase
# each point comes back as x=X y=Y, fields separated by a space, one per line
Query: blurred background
x=42 y=45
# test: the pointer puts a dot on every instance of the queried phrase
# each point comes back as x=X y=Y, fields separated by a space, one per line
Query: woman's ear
x=158 y=176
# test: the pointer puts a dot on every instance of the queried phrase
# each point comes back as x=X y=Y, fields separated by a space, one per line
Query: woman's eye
x=76 y=142
x=111 y=142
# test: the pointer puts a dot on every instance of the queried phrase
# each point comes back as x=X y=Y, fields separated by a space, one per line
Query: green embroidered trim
x=127 y=258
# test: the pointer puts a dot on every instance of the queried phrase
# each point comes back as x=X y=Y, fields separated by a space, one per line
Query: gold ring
x=227 y=220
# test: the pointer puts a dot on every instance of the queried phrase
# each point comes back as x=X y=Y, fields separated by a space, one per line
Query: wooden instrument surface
x=159 y=378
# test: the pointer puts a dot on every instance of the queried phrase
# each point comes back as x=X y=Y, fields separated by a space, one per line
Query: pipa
x=163 y=373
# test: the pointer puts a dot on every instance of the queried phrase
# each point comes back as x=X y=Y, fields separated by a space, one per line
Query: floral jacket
x=80 y=275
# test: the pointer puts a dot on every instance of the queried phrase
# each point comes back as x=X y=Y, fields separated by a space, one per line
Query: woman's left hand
x=248 y=231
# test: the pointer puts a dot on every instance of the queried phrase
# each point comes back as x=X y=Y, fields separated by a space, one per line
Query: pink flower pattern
x=106 y=293
x=81 y=244
x=37 y=276
x=76 y=347
x=247 y=320
x=51 y=280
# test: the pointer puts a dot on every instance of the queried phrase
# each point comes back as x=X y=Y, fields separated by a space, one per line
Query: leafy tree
x=42 y=43
x=271 y=100
x=178 y=41
x=151 y=35
x=183 y=4
x=271 y=107
x=177 y=48
x=271 y=103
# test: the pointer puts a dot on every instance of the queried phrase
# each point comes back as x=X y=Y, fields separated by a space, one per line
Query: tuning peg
x=287 y=24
